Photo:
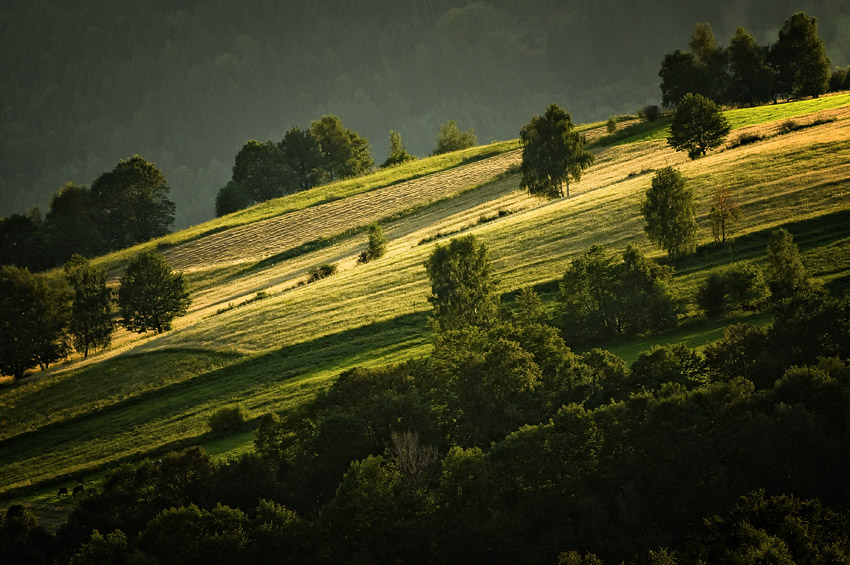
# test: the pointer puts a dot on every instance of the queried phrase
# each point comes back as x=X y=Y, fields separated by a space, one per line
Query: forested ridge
x=185 y=87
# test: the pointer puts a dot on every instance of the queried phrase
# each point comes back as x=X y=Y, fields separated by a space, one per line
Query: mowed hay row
x=268 y=237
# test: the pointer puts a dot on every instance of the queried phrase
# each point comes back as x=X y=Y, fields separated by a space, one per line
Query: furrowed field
x=270 y=351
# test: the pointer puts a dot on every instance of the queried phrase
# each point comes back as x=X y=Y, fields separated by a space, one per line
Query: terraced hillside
x=148 y=393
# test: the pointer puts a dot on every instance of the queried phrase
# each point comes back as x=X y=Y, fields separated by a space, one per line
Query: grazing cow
x=63 y=490
x=78 y=488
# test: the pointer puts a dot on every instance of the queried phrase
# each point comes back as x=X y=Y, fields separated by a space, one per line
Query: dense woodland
x=185 y=87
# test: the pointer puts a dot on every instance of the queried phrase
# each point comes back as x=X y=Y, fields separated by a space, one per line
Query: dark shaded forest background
x=84 y=85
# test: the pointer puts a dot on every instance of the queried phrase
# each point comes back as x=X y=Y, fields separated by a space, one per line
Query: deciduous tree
x=552 y=154
x=343 y=152
x=784 y=272
x=669 y=213
x=91 y=317
x=799 y=57
x=698 y=125
x=450 y=138
x=724 y=212
x=151 y=294
x=462 y=284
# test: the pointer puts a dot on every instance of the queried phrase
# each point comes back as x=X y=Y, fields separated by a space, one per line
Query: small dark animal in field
x=62 y=490
x=78 y=488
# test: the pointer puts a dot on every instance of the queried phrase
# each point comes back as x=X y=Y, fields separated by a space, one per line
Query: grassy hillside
x=152 y=393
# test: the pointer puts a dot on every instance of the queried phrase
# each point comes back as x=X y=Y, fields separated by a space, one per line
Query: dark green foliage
x=231 y=198
x=670 y=213
x=110 y=549
x=132 y=202
x=192 y=535
x=839 y=79
x=552 y=154
x=22 y=539
x=24 y=242
x=602 y=296
x=398 y=154
x=343 y=152
x=611 y=126
x=450 y=138
x=698 y=125
x=799 y=57
x=752 y=79
x=321 y=272
x=741 y=353
x=91 y=308
x=778 y=529
x=33 y=320
x=671 y=363
x=72 y=223
x=785 y=272
x=302 y=157
x=741 y=287
x=681 y=74
x=151 y=294
x=377 y=244
x=462 y=284
x=226 y=420
x=810 y=324
x=259 y=169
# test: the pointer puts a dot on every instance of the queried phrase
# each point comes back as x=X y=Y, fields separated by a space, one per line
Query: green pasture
x=272 y=354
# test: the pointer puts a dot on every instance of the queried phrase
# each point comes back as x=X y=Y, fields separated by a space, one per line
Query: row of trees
x=303 y=159
x=748 y=73
x=43 y=316
x=123 y=207
x=504 y=445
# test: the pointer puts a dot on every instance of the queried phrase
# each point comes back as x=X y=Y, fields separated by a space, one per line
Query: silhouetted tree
x=552 y=154
x=91 y=317
x=698 y=125
x=231 y=198
x=799 y=57
x=259 y=169
x=752 y=79
x=151 y=294
x=681 y=74
x=303 y=157
x=669 y=213
x=133 y=202
x=23 y=241
x=72 y=223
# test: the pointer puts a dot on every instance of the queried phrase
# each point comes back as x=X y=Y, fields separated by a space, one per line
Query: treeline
x=744 y=72
x=42 y=317
x=124 y=206
x=325 y=152
x=206 y=76
x=506 y=446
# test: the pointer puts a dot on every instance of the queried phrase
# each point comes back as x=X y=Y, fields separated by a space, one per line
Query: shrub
x=650 y=113
x=226 y=420
x=377 y=244
x=788 y=126
x=611 y=125
x=321 y=272
x=740 y=287
x=745 y=139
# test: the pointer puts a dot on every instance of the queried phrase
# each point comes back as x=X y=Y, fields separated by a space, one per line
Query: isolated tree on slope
x=785 y=272
x=398 y=154
x=377 y=244
x=462 y=286
x=151 y=294
x=670 y=213
x=697 y=126
x=552 y=154
x=450 y=138
x=91 y=317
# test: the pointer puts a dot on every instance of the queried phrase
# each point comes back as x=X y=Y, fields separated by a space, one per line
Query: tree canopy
x=698 y=125
x=91 y=307
x=151 y=295
x=799 y=57
x=451 y=138
x=669 y=213
x=552 y=154
x=462 y=284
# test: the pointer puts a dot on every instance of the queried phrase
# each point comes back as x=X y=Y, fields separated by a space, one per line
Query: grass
x=315 y=196
x=272 y=354
x=738 y=118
